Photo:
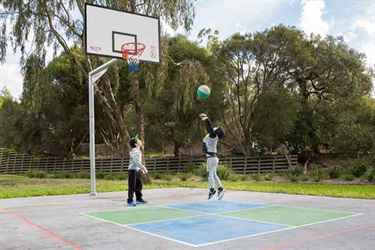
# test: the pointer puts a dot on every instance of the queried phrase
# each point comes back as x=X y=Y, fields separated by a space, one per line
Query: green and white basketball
x=203 y=91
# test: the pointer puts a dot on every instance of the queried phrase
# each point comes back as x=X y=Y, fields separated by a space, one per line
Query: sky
x=352 y=19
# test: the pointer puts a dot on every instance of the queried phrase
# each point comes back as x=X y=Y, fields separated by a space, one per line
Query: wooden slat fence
x=13 y=163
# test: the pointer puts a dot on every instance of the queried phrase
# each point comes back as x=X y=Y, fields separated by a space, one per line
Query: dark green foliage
x=294 y=173
x=224 y=172
x=84 y=175
x=335 y=171
x=63 y=175
x=36 y=174
x=116 y=176
x=297 y=170
x=317 y=175
x=256 y=177
x=292 y=177
x=268 y=177
x=190 y=168
x=347 y=177
x=184 y=176
x=100 y=175
x=370 y=175
x=358 y=169
x=304 y=177
x=202 y=171
x=274 y=107
x=156 y=176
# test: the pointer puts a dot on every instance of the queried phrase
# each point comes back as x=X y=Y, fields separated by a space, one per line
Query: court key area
x=209 y=222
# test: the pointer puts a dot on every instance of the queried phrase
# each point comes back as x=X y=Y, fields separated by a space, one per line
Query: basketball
x=203 y=91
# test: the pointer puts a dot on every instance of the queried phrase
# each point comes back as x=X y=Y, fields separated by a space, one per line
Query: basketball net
x=131 y=53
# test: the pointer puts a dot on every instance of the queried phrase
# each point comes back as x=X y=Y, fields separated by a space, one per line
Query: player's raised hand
x=203 y=116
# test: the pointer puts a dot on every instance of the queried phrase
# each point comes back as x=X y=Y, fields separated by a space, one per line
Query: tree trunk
x=113 y=111
x=176 y=148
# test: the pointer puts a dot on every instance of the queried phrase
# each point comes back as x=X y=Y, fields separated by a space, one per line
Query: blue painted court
x=209 y=222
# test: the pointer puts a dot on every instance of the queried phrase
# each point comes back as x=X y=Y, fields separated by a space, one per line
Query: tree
x=173 y=112
x=255 y=66
x=10 y=118
x=52 y=23
x=336 y=75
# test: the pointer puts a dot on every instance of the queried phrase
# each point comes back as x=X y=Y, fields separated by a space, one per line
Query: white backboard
x=108 y=29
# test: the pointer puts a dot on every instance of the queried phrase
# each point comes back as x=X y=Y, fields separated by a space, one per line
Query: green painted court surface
x=292 y=216
x=184 y=222
x=142 y=214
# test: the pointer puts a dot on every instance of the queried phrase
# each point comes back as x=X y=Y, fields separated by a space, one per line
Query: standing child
x=209 y=147
x=135 y=170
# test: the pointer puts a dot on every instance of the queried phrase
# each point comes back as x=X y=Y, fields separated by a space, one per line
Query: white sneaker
x=220 y=194
x=211 y=194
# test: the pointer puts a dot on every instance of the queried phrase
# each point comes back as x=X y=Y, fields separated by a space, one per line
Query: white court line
x=160 y=236
x=219 y=214
x=279 y=230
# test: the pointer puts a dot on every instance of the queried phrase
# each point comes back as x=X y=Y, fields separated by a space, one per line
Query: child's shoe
x=211 y=194
x=220 y=193
x=131 y=204
x=141 y=201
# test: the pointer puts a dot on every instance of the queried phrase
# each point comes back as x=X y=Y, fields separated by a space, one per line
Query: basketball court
x=175 y=218
x=182 y=218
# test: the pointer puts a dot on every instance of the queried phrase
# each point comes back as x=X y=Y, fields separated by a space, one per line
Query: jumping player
x=209 y=147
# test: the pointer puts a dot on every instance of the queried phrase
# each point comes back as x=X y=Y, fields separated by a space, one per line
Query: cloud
x=360 y=34
x=234 y=16
x=311 y=17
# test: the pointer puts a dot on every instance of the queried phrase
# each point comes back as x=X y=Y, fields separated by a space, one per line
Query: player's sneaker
x=141 y=201
x=211 y=194
x=220 y=193
x=131 y=204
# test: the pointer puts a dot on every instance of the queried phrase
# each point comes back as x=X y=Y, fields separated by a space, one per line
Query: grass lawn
x=21 y=186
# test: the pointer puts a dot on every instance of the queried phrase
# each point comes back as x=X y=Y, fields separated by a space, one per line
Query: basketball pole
x=94 y=75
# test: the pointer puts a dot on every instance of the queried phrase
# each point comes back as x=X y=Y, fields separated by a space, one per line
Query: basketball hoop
x=131 y=52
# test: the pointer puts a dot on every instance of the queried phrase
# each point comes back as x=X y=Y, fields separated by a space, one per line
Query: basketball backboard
x=108 y=29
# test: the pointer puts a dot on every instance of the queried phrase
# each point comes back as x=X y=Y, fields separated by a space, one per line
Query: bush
x=268 y=177
x=294 y=173
x=347 y=177
x=84 y=175
x=224 y=172
x=290 y=176
x=358 y=169
x=116 y=176
x=202 y=171
x=370 y=175
x=243 y=177
x=156 y=176
x=36 y=174
x=100 y=175
x=297 y=170
x=317 y=175
x=184 y=176
x=190 y=168
x=235 y=177
x=62 y=175
x=335 y=171
x=304 y=177
x=167 y=176
x=256 y=177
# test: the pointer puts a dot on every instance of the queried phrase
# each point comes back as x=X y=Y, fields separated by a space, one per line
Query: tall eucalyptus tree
x=32 y=27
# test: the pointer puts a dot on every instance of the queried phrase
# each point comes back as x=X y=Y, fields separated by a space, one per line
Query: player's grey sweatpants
x=211 y=169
